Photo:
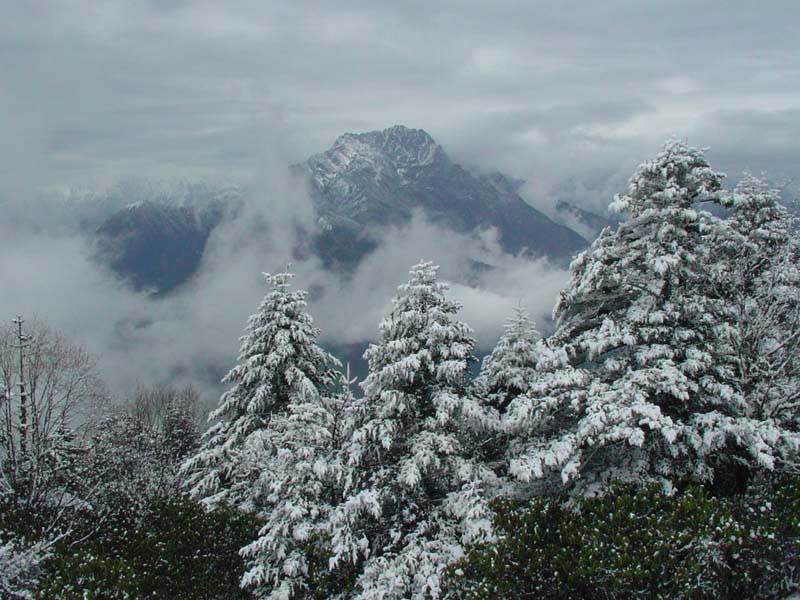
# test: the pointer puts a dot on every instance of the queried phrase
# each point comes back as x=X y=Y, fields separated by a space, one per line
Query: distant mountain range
x=362 y=185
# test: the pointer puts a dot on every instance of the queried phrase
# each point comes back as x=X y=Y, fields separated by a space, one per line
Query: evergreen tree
x=303 y=481
x=279 y=361
x=759 y=276
x=511 y=367
x=634 y=390
x=416 y=494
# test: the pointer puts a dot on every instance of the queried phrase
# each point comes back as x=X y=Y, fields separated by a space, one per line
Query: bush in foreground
x=177 y=550
x=640 y=544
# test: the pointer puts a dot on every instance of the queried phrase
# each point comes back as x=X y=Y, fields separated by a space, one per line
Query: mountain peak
x=380 y=178
x=393 y=152
x=391 y=138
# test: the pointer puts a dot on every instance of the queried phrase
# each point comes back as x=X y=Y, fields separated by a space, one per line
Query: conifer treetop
x=678 y=177
x=416 y=492
x=278 y=354
x=758 y=212
x=420 y=339
x=511 y=367
x=645 y=394
x=279 y=363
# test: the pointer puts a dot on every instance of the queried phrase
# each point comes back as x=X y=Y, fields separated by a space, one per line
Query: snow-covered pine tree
x=303 y=481
x=416 y=494
x=635 y=392
x=279 y=362
x=511 y=367
x=760 y=278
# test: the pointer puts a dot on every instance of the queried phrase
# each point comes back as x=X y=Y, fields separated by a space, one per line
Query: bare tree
x=135 y=453
x=51 y=392
x=173 y=420
x=153 y=406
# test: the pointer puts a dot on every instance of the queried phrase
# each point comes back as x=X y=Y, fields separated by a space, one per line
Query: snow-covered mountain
x=586 y=223
x=155 y=246
x=380 y=178
x=155 y=237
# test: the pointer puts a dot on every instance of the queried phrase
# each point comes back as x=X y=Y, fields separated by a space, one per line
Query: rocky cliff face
x=584 y=222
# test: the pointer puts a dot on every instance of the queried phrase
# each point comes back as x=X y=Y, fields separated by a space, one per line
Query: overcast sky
x=560 y=93
x=570 y=96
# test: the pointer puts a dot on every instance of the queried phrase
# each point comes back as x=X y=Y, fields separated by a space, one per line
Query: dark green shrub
x=639 y=544
x=767 y=562
x=323 y=582
x=178 y=550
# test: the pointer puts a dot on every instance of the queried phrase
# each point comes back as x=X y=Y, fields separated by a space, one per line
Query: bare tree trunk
x=23 y=398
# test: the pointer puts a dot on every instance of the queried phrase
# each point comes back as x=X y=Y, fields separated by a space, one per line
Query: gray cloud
x=753 y=140
x=350 y=309
x=191 y=336
x=570 y=96
x=548 y=91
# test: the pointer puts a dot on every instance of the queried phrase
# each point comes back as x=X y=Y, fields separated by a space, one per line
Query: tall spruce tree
x=302 y=482
x=416 y=494
x=279 y=363
x=634 y=390
x=511 y=367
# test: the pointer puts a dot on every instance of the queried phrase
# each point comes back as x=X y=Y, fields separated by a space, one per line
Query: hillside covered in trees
x=648 y=448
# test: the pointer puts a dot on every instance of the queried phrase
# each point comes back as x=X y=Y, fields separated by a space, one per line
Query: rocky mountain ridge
x=380 y=178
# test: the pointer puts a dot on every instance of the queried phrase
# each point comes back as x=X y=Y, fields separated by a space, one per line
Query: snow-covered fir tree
x=302 y=482
x=511 y=367
x=760 y=277
x=415 y=493
x=279 y=362
x=633 y=389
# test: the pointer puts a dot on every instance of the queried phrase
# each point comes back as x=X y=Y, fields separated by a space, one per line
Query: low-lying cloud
x=191 y=335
